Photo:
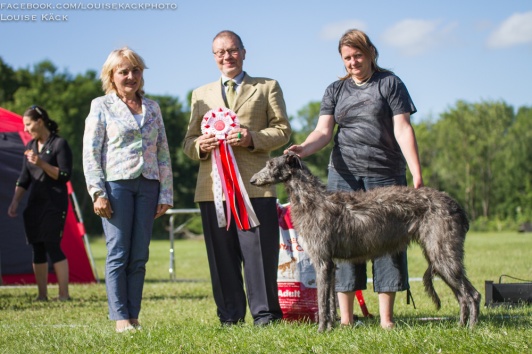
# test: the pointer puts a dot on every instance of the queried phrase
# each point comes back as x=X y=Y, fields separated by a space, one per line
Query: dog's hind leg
x=473 y=298
x=428 y=279
x=468 y=298
x=448 y=265
x=474 y=308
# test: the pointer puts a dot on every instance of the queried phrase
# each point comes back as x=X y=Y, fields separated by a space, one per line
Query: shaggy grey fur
x=359 y=226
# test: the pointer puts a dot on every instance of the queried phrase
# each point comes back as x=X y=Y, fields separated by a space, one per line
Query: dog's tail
x=428 y=278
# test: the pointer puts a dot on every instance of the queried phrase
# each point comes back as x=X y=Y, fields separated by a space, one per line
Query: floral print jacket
x=115 y=147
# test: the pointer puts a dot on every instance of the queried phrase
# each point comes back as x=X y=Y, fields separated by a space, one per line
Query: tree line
x=480 y=153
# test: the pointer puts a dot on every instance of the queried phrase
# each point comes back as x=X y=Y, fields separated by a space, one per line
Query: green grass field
x=180 y=316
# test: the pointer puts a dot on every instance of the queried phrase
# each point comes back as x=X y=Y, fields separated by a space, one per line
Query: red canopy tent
x=15 y=253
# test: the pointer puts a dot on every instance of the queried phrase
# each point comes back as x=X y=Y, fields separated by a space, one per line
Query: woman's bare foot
x=124 y=326
x=388 y=325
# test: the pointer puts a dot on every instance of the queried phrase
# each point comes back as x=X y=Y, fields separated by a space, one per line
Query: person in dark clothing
x=373 y=143
x=47 y=167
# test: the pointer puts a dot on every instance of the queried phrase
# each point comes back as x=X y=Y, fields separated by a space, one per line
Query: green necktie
x=231 y=93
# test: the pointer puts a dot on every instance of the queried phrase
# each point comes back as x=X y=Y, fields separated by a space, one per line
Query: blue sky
x=443 y=50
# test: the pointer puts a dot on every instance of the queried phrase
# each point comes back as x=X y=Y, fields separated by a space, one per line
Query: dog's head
x=278 y=169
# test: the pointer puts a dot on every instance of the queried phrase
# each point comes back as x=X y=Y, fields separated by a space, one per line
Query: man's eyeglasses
x=232 y=52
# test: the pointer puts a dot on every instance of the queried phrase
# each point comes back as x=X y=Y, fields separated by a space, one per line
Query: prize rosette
x=219 y=122
x=225 y=175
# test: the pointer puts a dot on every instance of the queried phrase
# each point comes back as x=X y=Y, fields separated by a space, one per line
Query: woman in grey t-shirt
x=372 y=146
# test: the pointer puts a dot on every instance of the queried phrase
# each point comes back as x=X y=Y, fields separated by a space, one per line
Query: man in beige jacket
x=261 y=111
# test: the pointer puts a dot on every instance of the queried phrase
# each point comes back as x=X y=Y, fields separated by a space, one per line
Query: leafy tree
x=184 y=170
x=468 y=141
x=306 y=121
x=514 y=197
x=9 y=82
x=427 y=153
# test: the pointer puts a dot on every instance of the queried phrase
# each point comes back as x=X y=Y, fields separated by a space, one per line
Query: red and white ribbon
x=225 y=175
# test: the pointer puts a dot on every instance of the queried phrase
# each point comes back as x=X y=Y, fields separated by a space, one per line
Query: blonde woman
x=127 y=168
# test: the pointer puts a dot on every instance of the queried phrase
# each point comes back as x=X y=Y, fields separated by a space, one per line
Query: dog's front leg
x=326 y=295
x=331 y=275
x=323 y=293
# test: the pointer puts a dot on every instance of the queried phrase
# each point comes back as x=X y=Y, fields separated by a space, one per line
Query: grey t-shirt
x=364 y=144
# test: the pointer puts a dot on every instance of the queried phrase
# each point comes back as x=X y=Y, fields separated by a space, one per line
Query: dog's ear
x=293 y=160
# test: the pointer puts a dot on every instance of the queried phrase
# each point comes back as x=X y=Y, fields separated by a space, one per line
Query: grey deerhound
x=359 y=226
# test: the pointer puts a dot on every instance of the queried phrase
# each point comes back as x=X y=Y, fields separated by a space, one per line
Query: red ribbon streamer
x=233 y=189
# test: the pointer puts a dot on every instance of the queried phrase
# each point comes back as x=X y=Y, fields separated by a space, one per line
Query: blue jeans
x=127 y=234
x=390 y=272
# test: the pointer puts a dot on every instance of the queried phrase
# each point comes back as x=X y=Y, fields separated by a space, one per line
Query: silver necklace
x=363 y=82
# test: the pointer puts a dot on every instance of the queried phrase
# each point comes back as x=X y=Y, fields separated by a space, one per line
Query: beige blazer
x=261 y=109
